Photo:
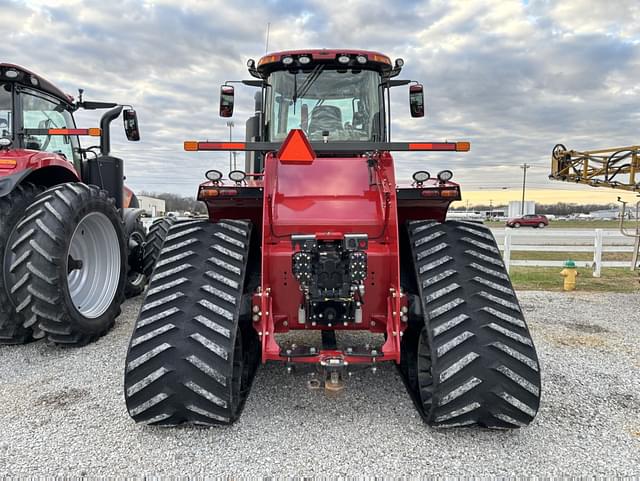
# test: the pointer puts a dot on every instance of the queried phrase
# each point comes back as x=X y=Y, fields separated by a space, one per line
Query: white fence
x=596 y=241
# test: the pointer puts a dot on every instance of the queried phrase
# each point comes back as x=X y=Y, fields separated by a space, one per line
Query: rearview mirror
x=416 y=100
x=131 y=125
x=226 y=101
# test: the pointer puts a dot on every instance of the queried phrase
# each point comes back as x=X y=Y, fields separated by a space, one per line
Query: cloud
x=513 y=77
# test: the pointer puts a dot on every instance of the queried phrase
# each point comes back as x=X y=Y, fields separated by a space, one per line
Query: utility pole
x=230 y=124
x=491 y=208
x=524 y=166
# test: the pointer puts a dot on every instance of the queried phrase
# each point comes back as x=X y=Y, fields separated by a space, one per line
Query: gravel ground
x=62 y=412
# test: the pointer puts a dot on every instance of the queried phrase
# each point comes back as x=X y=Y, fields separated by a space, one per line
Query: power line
x=525 y=166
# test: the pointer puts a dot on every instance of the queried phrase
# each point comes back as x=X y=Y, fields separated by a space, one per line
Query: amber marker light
x=463 y=146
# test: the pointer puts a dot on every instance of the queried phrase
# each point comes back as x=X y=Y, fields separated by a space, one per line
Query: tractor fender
x=9 y=182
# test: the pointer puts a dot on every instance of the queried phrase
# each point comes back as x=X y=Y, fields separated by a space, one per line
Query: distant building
x=612 y=214
x=152 y=206
x=515 y=208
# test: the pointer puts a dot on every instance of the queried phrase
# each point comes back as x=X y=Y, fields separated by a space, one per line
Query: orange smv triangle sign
x=296 y=149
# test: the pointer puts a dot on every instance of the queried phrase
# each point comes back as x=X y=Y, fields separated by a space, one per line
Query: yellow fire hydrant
x=570 y=272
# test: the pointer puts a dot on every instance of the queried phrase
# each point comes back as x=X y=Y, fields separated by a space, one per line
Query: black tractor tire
x=68 y=220
x=468 y=358
x=193 y=353
x=12 y=208
x=155 y=240
x=135 y=236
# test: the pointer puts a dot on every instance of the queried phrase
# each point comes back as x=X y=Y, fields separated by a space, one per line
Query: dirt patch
x=63 y=398
x=590 y=340
x=588 y=328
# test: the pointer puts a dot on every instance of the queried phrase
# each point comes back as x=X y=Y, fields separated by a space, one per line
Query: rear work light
x=421 y=176
x=445 y=175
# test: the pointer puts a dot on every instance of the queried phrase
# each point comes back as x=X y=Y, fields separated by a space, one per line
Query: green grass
x=549 y=279
x=575 y=224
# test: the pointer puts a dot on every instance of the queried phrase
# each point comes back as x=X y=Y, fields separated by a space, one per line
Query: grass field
x=549 y=279
x=576 y=224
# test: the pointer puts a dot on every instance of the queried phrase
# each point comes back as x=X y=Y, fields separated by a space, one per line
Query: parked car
x=530 y=220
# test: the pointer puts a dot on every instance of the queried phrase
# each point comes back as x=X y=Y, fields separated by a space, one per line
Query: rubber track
x=179 y=367
x=12 y=208
x=39 y=245
x=155 y=240
x=476 y=362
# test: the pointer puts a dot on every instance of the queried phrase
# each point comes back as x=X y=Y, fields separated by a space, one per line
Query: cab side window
x=42 y=112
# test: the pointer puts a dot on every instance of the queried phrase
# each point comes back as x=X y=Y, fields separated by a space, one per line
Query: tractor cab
x=332 y=96
x=39 y=139
x=29 y=102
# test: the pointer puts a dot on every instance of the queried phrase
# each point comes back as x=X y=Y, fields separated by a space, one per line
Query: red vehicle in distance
x=529 y=220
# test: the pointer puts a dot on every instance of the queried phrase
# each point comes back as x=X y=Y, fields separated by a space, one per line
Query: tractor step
x=469 y=358
x=192 y=358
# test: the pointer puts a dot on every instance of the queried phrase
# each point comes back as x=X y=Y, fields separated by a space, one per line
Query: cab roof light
x=287 y=60
x=381 y=59
x=344 y=59
x=267 y=59
x=304 y=60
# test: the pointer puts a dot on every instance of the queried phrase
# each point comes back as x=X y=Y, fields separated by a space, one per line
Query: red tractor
x=71 y=242
x=316 y=235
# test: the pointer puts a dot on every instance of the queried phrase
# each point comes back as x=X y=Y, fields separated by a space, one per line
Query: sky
x=513 y=77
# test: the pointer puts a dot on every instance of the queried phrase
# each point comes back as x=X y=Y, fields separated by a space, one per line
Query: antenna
x=266 y=47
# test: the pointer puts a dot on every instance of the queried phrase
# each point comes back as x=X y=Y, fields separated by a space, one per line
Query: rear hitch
x=333 y=368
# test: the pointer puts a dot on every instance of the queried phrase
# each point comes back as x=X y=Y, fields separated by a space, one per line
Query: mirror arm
x=398 y=83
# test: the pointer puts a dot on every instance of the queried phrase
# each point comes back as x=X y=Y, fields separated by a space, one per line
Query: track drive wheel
x=12 y=208
x=468 y=357
x=193 y=353
x=135 y=237
x=155 y=240
x=68 y=270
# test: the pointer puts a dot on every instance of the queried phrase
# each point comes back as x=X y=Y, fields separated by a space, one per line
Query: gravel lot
x=62 y=412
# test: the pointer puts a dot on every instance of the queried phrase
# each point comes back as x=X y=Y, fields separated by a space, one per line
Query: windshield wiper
x=304 y=88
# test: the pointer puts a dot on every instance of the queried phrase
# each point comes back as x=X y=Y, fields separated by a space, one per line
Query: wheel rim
x=93 y=265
